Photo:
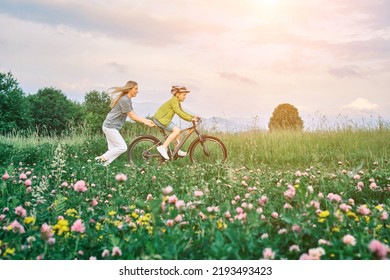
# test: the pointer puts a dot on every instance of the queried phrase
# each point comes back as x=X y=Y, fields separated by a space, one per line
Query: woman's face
x=133 y=92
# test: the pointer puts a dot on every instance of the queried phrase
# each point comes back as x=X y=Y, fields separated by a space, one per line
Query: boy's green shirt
x=168 y=110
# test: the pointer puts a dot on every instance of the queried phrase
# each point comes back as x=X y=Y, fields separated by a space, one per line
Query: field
x=287 y=195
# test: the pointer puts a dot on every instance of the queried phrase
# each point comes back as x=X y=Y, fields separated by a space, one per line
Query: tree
x=14 y=111
x=96 y=106
x=284 y=117
x=52 y=112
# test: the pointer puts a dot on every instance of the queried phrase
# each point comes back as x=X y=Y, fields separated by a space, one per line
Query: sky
x=240 y=58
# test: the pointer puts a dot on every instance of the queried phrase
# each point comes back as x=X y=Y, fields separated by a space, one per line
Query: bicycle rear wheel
x=141 y=151
x=210 y=150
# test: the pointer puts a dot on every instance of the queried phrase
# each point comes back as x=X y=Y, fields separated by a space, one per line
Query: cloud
x=346 y=71
x=361 y=104
x=237 y=78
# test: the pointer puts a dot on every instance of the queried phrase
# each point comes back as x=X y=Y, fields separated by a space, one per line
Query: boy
x=164 y=115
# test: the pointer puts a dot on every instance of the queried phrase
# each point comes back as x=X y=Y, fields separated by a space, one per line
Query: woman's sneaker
x=163 y=152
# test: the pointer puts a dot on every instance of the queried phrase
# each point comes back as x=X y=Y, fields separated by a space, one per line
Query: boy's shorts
x=169 y=127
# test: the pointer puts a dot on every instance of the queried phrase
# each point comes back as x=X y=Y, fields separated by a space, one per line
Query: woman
x=121 y=108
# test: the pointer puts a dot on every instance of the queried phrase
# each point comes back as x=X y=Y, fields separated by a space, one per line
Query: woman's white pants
x=116 y=144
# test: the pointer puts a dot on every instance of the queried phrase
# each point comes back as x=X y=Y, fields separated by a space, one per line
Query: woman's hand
x=149 y=123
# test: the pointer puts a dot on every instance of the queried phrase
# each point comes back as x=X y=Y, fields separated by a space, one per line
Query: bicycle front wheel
x=142 y=150
x=210 y=150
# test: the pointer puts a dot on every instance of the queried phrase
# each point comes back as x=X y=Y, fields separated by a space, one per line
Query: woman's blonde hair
x=118 y=92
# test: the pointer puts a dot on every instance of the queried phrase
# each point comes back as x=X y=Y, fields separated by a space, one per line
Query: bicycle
x=204 y=148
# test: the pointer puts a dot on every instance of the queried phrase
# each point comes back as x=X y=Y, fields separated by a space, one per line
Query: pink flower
x=116 y=251
x=94 y=202
x=172 y=199
x=78 y=226
x=268 y=254
x=349 y=240
x=169 y=223
x=179 y=218
x=167 y=190
x=334 y=197
x=105 y=253
x=20 y=211
x=154 y=178
x=27 y=183
x=46 y=231
x=363 y=210
x=275 y=215
x=6 y=176
x=344 y=207
x=294 y=248
x=16 y=227
x=79 y=186
x=22 y=176
x=290 y=192
x=296 y=228
x=149 y=197
x=384 y=216
x=380 y=249
x=180 y=204
x=121 y=177
x=198 y=193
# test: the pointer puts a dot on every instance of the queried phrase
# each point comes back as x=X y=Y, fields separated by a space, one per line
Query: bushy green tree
x=14 y=111
x=52 y=112
x=96 y=106
x=285 y=117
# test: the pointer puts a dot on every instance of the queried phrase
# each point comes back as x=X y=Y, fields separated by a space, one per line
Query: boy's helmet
x=177 y=89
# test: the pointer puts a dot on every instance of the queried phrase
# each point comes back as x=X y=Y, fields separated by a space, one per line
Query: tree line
x=50 y=112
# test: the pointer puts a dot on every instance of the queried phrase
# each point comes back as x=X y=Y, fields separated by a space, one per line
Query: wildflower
x=344 y=207
x=29 y=220
x=324 y=242
x=61 y=226
x=112 y=213
x=198 y=193
x=324 y=214
x=384 y=216
x=167 y=190
x=294 y=248
x=363 y=210
x=46 y=231
x=105 y=253
x=268 y=254
x=334 y=197
x=282 y=231
x=290 y=192
x=116 y=251
x=180 y=204
x=78 y=226
x=22 y=176
x=20 y=211
x=149 y=197
x=121 y=177
x=296 y=228
x=275 y=215
x=380 y=249
x=221 y=225
x=349 y=240
x=79 y=186
x=9 y=251
x=169 y=223
x=264 y=236
x=6 y=176
x=28 y=183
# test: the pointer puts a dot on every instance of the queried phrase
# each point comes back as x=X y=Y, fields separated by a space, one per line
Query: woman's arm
x=132 y=115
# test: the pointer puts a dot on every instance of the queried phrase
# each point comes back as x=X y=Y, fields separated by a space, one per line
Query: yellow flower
x=367 y=218
x=352 y=215
x=321 y=220
x=221 y=225
x=72 y=213
x=332 y=255
x=324 y=214
x=61 y=226
x=335 y=229
x=134 y=215
x=132 y=207
x=9 y=251
x=378 y=227
x=296 y=186
x=112 y=213
x=98 y=226
x=29 y=220
x=379 y=207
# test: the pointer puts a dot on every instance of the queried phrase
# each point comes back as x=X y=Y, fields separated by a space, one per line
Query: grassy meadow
x=281 y=195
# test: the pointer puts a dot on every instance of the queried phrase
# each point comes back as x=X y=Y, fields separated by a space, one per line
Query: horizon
x=239 y=59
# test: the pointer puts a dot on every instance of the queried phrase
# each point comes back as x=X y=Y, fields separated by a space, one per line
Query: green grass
x=235 y=218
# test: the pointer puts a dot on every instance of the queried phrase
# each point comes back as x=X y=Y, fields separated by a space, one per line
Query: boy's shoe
x=163 y=152
x=181 y=153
